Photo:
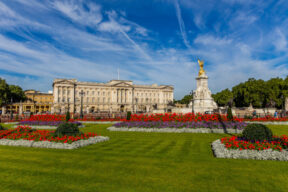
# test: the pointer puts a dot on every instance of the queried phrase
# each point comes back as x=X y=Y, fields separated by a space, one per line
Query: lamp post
x=82 y=93
x=192 y=94
x=136 y=101
x=68 y=105
x=282 y=100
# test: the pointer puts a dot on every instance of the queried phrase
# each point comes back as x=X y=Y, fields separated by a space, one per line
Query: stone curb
x=220 y=151
x=43 y=126
x=269 y=122
x=174 y=130
x=100 y=122
x=8 y=123
x=53 y=145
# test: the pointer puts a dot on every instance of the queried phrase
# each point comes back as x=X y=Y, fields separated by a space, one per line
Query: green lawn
x=139 y=162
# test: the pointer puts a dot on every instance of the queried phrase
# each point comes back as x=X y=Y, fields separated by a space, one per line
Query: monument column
x=202 y=100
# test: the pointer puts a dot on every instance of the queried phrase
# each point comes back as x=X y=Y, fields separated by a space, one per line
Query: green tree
x=222 y=98
x=16 y=93
x=4 y=91
x=186 y=99
x=67 y=116
x=252 y=91
x=259 y=93
x=10 y=93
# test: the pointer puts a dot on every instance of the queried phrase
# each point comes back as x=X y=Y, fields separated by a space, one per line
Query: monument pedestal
x=202 y=100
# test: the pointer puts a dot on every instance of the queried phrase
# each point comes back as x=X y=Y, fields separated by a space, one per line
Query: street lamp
x=68 y=104
x=282 y=101
x=192 y=94
x=82 y=93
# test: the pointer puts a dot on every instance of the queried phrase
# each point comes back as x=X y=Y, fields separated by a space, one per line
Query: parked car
x=209 y=112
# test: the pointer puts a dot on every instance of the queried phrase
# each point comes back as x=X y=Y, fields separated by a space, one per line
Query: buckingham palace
x=113 y=96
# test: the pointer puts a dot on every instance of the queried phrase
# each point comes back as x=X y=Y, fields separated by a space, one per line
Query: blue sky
x=150 y=41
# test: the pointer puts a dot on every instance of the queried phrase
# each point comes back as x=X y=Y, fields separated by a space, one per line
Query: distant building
x=36 y=102
x=42 y=101
x=113 y=96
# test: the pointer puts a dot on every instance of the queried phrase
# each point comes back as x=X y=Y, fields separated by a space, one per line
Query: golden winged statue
x=201 y=64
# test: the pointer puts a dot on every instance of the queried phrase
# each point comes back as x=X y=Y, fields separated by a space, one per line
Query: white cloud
x=181 y=24
x=209 y=40
x=75 y=11
x=280 y=41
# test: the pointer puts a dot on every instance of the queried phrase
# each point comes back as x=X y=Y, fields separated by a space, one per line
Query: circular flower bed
x=25 y=136
x=277 y=143
x=256 y=142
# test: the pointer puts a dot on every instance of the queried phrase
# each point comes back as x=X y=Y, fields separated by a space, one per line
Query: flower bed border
x=220 y=151
x=174 y=130
x=43 y=126
x=269 y=122
x=100 y=122
x=53 y=145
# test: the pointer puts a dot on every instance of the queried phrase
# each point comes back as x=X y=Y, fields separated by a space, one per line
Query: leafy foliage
x=10 y=93
x=229 y=114
x=222 y=98
x=1 y=127
x=259 y=93
x=67 y=116
x=186 y=99
x=257 y=132
x=69 y=129
x=128 y=115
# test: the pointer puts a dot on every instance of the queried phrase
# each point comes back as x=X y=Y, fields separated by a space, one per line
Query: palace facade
x=113 y=96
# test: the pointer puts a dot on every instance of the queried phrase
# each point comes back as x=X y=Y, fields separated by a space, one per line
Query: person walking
x=276 y=114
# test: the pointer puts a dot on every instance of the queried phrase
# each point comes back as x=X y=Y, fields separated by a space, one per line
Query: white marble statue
x=202 y=100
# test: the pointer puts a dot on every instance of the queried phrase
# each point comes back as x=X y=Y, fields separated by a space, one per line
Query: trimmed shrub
x=67 y=116
x=229 y=114
x=128 y=117
x=69 y=129
x=257 y=132
x=1 y=127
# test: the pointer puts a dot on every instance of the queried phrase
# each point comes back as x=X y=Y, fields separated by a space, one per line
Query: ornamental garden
x=248 y=141
x=180 y=148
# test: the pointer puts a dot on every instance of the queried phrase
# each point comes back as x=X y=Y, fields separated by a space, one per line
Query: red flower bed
x=26 y=133
x=46 y=118
x=268 y=118
x=278 y=143
x=97 y=119
x=188 y=117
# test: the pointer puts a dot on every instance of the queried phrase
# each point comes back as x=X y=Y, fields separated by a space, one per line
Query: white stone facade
x=202 y=100
x=113 y=96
